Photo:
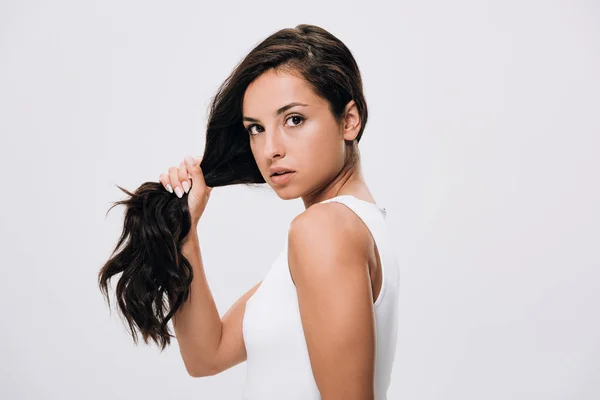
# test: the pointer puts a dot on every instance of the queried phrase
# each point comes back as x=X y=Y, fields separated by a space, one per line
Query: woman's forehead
x=269 y=92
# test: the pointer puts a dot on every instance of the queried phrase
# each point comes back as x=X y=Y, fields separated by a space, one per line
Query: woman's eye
x=249 y=129
x=296 y=118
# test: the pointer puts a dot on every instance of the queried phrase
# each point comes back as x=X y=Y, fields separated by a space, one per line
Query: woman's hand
x=178 y=180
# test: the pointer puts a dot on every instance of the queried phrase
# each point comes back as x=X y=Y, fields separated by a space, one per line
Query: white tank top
x=278 y=365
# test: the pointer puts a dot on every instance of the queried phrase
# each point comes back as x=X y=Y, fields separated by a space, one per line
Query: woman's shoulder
x=330 y=222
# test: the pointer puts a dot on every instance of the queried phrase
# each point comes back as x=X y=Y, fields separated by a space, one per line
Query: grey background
x=482 y=143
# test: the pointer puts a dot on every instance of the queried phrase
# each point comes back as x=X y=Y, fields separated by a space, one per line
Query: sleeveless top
x=278 y=365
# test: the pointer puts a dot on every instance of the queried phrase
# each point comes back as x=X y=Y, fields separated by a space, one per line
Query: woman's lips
x=282 y=179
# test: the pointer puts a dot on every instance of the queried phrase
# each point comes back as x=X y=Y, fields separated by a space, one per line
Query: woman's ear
x=351 y=122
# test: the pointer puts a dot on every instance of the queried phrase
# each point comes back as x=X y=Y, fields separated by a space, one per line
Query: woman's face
x=304 y=138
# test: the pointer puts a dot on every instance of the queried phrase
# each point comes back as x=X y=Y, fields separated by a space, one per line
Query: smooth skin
x=339 y=279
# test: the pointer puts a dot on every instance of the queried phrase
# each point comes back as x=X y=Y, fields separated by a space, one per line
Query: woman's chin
x=285 y=193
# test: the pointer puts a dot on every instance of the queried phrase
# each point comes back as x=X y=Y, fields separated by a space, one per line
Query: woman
x=323 y=323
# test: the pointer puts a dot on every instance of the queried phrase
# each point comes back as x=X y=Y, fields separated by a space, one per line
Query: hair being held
x=155 y=276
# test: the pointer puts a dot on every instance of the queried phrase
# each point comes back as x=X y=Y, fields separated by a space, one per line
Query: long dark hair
x=156 y=222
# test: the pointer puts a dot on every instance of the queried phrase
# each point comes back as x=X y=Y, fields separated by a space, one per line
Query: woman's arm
x=197 y=323
x=209 y=344
x=328 y=247
x=232 y=349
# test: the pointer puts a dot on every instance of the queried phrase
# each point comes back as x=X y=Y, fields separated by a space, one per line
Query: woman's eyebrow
x=278 y=112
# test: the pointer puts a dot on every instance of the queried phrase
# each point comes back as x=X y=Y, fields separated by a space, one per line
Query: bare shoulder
x=328 y=260
x=329 y=228
x=331 y=218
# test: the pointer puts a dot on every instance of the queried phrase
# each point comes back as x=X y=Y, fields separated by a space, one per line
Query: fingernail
x=169 y=188
x=186 y=186
x=189 y=159
x=178 y=192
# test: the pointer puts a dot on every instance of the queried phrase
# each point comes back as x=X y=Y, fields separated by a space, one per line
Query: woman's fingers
x=166 y=182
x=179 y=179
x=184 y=177
x=175 y=182
x=193 y=166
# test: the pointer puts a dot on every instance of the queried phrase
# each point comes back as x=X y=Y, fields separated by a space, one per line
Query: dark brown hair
x=148 y=253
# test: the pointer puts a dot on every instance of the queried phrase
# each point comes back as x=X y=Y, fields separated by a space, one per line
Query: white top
x=278 y=365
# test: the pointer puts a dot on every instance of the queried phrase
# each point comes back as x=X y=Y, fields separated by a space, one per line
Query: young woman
x=322 y=324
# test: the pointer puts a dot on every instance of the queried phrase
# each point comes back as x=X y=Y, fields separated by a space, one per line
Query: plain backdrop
x=482 y=142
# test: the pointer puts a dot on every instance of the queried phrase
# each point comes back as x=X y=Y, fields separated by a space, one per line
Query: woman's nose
x=274 y=144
